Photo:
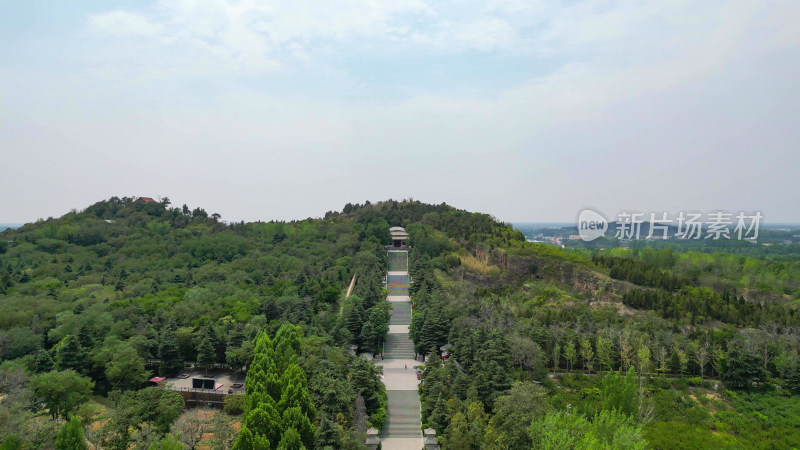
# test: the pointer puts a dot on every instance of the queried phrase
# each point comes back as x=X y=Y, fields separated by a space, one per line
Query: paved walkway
x=402 y=430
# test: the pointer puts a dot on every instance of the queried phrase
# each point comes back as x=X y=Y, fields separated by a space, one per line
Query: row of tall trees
x=771 y=270
x=278 y=410
x=640 y=273
x=698 y=305
x=366 y=313
x=472 y=401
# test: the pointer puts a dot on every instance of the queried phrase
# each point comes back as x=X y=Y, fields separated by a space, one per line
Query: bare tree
x=223 y=432
x=643 y=361
x=145 y=437
x=701 y=355
x=646 y=406
x=525 y=352
x=683 y=358
x=556 y=356
x=661 y=359
x=767 y=342
x=96 y=436
x=625 y=350
x=587 y=354
x=12 y=380
x=604 y=356
x=191 y=425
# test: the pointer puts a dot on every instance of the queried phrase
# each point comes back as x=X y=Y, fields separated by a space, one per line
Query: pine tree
x=327 y=434
x=433 y=334
x=84 y=337
x=369 y=337
x=379 y=318
x=458 y=433
x=206 y=355
x=287 y=346
x=291 y=440
x=294 y=418
x=742 y=367
x=477 y=418
x=793 y=379
x=273 y=404
x=265 y=421
x=297 y=395
x=170 y=353
x=355 y=322
x=438 y=416
x=495 y=349
x=261 y=443
x=43 y=362
x=236 y=338
x=244 y=440
x=71 y=355
x=70 y=436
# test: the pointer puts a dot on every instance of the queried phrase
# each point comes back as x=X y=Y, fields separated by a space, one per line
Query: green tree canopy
x=126 y=369
x=62 y=391
x=609 y=430
x=70 y=436
x=71 y=355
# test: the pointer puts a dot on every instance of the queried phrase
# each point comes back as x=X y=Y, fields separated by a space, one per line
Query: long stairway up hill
x=403 y=427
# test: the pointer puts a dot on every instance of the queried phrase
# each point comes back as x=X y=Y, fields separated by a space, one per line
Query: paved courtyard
x=224 y=378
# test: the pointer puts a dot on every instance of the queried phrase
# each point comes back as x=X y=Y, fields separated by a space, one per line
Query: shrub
x=234 y=404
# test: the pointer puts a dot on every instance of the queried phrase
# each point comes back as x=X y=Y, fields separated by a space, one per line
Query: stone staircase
x=398 y=261
x=402 y=413
x=397 y=283
x=403 y=427
x=398 y=346
x=401 y=313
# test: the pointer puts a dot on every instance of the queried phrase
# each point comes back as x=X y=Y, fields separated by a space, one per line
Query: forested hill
x=99 y=300
x=528 y=345
x=127 y=263
x=531 y=346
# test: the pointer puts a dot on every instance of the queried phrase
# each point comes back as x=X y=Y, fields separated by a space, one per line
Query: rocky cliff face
x=584 y=280
x=520 y=267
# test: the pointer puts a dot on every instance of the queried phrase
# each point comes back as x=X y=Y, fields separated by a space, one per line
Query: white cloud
x=483 y=34
x=252 y=36
x=124 y=23
x=586 y=99
x=257 y=35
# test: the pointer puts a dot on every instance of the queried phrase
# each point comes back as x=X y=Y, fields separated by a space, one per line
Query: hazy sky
x=528 y=110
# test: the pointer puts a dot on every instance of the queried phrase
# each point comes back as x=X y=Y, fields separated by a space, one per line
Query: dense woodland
x=97 y=301
x=611 y=349
x=527 y=345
